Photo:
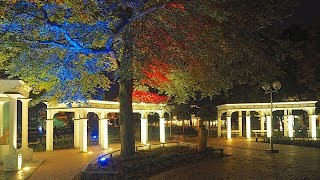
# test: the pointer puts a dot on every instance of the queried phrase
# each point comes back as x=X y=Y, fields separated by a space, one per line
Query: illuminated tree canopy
x=65 y=47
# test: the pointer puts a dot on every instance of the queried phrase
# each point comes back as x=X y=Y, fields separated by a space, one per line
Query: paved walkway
x=249 y=160
x=58 y=164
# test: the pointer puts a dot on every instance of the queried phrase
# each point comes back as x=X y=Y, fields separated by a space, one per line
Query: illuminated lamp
x=103 y=161
x=269 y=89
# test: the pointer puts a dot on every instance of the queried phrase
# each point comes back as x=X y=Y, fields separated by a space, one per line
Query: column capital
x=25 y=100
x=15 y=96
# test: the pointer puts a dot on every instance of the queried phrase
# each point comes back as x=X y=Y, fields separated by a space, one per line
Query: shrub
x=292 y=141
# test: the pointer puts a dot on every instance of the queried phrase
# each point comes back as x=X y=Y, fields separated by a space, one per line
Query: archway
x=63 y=130
x=93 y=128
x=300 y=123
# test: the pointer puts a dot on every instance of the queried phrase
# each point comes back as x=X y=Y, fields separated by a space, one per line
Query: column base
x=4 y=150
x=12 y=162
x=27 y=153
x=272 y=151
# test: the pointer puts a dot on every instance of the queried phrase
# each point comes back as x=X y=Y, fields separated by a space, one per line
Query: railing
x=94 y=171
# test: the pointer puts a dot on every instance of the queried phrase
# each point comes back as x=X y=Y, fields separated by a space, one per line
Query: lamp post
x=271 y=88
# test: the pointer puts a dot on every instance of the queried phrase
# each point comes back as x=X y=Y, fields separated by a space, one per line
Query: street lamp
x=270 y=88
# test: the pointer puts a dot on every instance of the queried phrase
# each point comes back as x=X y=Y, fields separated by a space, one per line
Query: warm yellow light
x=26 y=168
x=314 y=126
x=268 y=126
x=105 y=139
x=162 y=131
x=229 y=127
x=110 y=149
x=290 y=125
x=19 y=161
x=144 y=130
x=248 y=126
x=90 y=152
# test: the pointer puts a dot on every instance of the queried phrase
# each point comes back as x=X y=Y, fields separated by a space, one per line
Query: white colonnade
x=101 y=108
x=264 y=111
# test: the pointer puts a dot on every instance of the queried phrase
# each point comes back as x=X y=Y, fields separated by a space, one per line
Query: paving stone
x=248 y=160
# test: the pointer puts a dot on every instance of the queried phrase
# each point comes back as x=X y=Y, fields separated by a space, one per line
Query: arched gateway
x=12 y=91
x=264 y=111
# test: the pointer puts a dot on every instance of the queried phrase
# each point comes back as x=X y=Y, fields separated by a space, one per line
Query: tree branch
x=130 y=20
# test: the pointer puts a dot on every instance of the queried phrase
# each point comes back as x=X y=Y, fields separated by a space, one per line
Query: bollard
x=256 y=138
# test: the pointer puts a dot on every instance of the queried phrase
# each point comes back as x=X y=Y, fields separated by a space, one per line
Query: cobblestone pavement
x=249 y=160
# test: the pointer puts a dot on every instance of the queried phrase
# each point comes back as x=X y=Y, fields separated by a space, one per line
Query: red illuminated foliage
x=148 y=97
x=177 y=6
x=155 y=73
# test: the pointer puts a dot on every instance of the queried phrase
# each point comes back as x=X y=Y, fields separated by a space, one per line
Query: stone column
x=229 y=127
x=313 y=124
x=290 y=125
x=219 y=122
x=144 y=127
x=268 y=126
x=27 y=153
x=25 y=104
x=13 y=161
x=102 y=116
x=240 y=123
x=248 y=124
x=285 y=123
x=262 y=120
x=104 y=133
x=162 y=130
x=100 y=130
x=1 y=118
x=83 y=134
x=76 y=129
x=13 y=124
x=49 y=130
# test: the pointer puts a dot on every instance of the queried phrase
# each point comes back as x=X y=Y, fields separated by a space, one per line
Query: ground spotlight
x=103 y=161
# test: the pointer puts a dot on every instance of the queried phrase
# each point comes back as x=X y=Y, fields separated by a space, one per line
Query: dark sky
x=307 y=14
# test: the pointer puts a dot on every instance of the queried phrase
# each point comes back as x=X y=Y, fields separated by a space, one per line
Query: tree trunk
x=126 y=118
x=125 y=97
x=202 y=137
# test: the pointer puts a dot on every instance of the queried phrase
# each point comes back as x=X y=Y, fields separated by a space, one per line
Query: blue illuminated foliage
x=61 y=52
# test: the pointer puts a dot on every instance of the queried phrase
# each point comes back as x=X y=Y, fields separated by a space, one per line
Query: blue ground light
x=103 y=161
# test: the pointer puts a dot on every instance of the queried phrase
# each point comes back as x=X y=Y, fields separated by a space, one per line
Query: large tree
x=65 y=47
